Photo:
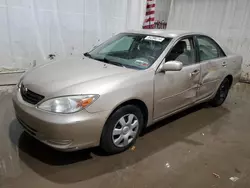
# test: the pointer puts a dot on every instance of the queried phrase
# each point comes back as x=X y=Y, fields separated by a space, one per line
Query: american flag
x=149 y=22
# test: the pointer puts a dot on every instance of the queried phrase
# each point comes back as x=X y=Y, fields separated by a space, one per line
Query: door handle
x=195 y=72
x=224 y=64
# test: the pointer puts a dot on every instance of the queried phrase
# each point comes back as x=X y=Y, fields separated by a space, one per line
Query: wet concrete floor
x=182 y=151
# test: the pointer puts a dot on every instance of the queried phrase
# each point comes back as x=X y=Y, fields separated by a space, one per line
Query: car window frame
x=222 y=53
x=194 y=46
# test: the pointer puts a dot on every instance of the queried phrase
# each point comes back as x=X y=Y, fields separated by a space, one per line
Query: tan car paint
x=163 y=93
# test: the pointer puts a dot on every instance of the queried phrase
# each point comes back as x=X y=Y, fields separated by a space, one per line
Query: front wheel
x=121 y=129
x=221 y=94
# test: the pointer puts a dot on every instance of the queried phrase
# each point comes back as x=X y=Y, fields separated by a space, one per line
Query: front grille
x=30 y=96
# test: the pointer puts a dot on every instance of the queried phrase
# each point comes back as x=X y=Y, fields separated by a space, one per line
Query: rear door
x=213 y=63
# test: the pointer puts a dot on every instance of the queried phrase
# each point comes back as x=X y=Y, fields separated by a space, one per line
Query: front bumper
x=66 y=132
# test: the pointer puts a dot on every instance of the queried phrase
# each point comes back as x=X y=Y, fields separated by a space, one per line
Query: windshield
x=130 y=50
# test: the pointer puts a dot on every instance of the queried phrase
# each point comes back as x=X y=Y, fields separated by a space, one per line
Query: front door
x=213 y=66
x=177 y=89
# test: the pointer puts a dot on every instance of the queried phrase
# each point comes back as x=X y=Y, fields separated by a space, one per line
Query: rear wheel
x=121 y=129
x=221 y=94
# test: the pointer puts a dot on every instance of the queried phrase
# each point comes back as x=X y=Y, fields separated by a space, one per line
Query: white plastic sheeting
x=162 y=10
x=30 y=30
x=226 y=20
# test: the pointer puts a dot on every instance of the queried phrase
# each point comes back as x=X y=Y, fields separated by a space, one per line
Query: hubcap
x=125 y=130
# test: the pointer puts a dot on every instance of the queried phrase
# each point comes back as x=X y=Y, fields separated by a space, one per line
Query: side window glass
x=183 y=51
x=208 y=49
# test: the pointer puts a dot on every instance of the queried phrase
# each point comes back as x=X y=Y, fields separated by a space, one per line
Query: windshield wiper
x=113 y=62
x=87 y=54
x=105 y=60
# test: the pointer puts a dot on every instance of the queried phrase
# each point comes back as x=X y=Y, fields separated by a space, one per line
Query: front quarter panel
x=116 y=90
x=135 y=86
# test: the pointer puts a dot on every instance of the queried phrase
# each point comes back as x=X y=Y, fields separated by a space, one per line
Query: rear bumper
x=236 y=78
x=66 y=132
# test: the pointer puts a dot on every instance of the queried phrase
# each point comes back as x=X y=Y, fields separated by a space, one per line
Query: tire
x=121 y=129
x=221 y=94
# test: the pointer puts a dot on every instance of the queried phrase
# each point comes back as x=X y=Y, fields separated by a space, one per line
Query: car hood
x=53 y=77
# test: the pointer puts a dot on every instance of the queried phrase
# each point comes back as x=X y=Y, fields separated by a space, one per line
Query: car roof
x=175 y=34
x=165 y=33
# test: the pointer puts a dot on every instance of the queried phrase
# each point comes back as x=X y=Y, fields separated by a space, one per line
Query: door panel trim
x=183 y=108
x=210 y=82
x=195 y=87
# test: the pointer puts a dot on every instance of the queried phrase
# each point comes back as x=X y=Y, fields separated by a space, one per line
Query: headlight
x=68 y=104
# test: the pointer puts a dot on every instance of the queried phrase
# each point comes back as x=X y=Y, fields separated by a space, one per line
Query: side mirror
x=172 y=66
